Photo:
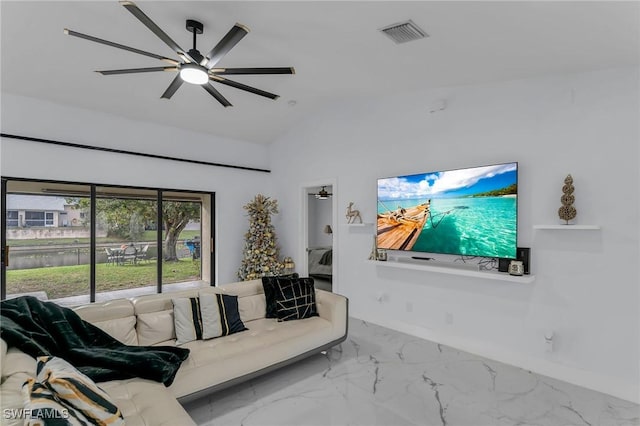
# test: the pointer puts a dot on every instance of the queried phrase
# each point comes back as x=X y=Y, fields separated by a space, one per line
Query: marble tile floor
x=384 y=378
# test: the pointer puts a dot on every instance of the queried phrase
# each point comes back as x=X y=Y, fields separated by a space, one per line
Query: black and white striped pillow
x=205 y=317
x=187 y=319
x=220 y=315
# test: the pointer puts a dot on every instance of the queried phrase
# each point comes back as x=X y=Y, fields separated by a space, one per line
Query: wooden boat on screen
x=400 y=229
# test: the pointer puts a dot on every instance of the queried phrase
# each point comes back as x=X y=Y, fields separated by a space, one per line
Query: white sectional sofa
x=212 y=364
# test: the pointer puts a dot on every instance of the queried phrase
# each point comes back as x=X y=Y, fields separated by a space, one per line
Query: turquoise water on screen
x=482 y=226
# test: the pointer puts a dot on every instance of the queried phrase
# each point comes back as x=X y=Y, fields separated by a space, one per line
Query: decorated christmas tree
x=260 y=249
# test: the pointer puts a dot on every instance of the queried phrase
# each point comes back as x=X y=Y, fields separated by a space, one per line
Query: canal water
x=43 y=257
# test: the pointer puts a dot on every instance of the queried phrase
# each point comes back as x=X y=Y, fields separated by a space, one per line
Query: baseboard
x=594 y=381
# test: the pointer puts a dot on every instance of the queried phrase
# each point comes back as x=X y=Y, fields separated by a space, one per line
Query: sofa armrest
x=334 y=308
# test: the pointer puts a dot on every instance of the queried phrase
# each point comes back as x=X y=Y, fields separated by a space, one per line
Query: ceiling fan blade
x=213 y=92
x=135 y=10
x=137 y=70
x=175 y=85
x=238 y=71
x=119 y=46
x=232 y=38
x=244 y=87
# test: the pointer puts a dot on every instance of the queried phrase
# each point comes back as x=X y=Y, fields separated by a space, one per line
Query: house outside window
x=34 y=218
x=12 y=219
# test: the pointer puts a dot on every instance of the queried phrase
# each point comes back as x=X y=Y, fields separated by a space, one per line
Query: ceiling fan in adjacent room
x=193 y=67
x=322 y=194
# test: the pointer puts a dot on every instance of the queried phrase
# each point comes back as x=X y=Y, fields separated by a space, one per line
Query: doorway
x=318 y=233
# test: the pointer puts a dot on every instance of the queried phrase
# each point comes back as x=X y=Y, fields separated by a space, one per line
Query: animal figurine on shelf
x=353 y=214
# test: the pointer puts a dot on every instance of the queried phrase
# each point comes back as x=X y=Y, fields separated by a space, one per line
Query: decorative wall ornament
x=352 y=214
x=260 y=248
x=374 y=249
x=567 y=211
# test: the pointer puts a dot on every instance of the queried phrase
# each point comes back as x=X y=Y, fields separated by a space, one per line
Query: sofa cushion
x=251 y=300
x=155 y=327
x=115 y=317
x=15 y=361
x=123 y=329
x=252 y=307
x=17 y=367
x=146 y=403
x=77 y=391
x=266 y=343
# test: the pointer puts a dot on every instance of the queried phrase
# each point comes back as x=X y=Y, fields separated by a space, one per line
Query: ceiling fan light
x=194 y=74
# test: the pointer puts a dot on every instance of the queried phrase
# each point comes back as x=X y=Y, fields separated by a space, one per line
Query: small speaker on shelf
x=503 y=264
x=524 y=254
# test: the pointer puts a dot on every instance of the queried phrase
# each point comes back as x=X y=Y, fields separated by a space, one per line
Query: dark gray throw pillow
x=296 y=300
x=270 y=286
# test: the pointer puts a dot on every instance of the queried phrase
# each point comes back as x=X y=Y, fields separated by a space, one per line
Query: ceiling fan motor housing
x=194 y=26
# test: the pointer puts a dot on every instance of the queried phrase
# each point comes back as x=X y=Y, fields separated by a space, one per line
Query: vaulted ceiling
x=335 y=47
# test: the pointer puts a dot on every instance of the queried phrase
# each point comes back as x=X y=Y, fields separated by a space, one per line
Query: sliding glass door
x=126 y=234
x=140 y=240
x=181 y=238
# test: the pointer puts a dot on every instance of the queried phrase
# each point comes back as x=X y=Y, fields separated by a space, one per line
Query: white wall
x=586 y=286
x=233 y=188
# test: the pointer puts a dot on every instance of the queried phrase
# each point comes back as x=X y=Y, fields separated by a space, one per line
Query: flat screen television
x=467 y=212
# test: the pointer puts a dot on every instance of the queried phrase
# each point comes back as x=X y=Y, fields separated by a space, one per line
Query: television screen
x=469 y=212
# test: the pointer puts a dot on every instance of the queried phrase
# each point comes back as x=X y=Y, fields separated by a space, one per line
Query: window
x=12 y=219
x=124 y=253
x=47 y=263
x=34 y=218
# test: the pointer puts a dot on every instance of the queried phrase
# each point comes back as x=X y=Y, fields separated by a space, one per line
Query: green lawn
x=64 y=281
x=147 y=236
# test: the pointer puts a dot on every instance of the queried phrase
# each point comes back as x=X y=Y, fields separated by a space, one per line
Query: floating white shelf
x=453 y=270
x=358 y=224
x=568 y=227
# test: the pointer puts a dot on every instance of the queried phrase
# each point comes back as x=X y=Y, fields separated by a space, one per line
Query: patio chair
x=130 y=255
x=111 y=258
x=142 y=254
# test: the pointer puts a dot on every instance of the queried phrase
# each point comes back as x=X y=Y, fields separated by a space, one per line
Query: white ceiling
x=335 y=48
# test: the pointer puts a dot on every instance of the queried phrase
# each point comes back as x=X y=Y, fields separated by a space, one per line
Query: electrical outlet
x=382 y=297
x=549 y=336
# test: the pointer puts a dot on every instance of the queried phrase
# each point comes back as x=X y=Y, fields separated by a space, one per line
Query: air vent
x=403 y=32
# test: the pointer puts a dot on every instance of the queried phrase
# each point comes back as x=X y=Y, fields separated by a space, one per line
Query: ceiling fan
x=193 y=67
x=322 y=194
